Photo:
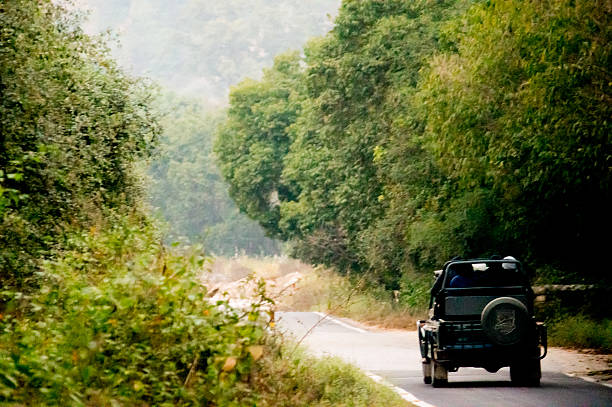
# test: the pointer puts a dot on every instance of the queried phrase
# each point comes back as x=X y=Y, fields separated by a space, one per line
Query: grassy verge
x=580 y=332
x=288 y=378
x=118 y=320
x=325 y=291
x=319 y=289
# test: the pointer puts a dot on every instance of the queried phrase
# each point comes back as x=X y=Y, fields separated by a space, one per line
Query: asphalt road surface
x=394 y=356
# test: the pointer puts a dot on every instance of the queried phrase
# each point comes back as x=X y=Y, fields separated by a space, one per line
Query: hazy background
x=197 y=49
x=201 y=47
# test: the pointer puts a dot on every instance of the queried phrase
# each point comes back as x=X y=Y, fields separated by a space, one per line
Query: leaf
x=9 y=380
x=230 y=364
x=256 y=351
x=15 y=176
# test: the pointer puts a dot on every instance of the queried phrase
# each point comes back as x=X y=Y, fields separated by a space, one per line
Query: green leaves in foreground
x=135 y=328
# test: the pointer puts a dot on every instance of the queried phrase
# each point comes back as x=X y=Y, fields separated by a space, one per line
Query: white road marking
x=336 y=321
x=403 y=393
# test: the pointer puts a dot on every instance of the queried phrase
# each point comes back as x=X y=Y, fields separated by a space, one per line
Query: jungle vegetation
x=416 y=131
x=411 y=132
x=94 y=308
x=187 y=190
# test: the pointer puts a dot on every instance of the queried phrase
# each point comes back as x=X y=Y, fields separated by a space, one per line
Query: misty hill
x=201 y=47
x=196 y=49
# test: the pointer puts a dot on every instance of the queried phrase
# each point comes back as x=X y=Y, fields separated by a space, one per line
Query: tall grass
x=290 y=378
x=325 y=291
x=579 y=331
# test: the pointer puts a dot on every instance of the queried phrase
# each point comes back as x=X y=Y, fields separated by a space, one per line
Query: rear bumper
x=464 y=344
x=486 y=357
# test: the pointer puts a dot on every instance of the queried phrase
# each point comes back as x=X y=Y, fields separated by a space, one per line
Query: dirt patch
x=584 y=363
x=238 y=278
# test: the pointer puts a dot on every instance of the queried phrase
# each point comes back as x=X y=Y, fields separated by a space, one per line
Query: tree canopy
x=187 y=188
x=71 y=127
x=423 y=130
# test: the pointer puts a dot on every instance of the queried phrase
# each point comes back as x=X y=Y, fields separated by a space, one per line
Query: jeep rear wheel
x=440 y=375
x=427 y=372
x=526 y=373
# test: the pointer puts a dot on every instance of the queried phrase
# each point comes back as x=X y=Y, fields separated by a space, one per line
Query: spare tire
x=505 y=321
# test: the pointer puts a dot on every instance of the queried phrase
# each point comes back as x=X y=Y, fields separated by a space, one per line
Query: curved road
x=394 y=356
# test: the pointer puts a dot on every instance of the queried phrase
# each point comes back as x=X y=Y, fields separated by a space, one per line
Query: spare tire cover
x=505 y=321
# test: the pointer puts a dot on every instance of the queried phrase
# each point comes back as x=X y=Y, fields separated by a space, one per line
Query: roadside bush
x=120 y=321
x=117 y=321
x=305 y=381
x=579 y=331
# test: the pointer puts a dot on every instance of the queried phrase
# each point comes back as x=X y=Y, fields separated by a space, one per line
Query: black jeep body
x=481 y=315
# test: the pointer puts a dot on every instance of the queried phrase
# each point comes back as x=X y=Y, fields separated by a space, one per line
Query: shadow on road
x=469 y=384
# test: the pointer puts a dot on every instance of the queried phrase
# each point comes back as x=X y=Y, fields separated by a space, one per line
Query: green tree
x=350 y=95
x=359 y=81
x=71 y=126
x=253 y=142
x=427 y=129
x=188 y=189
x=520 y=116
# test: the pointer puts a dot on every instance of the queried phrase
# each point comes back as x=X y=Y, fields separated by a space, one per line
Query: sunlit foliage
x=430 y=129
x=71 y=125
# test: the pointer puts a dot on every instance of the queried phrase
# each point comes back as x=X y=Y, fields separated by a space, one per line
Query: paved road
x=394 y=355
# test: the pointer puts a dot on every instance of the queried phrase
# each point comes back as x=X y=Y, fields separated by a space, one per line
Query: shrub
x=117 y=321
x=579 y=331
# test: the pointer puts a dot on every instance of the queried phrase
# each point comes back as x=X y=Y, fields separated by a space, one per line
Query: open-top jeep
x=481 y=315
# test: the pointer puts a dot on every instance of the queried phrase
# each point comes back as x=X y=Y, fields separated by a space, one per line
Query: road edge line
x=337 y=321
x=588 y=379
x=403 y=393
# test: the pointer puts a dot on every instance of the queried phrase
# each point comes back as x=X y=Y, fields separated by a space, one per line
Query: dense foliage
x=119 y=321
x=188 y=189
x=254 y=140
x=71 y=125
x=519 y=120
x=429 y=129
